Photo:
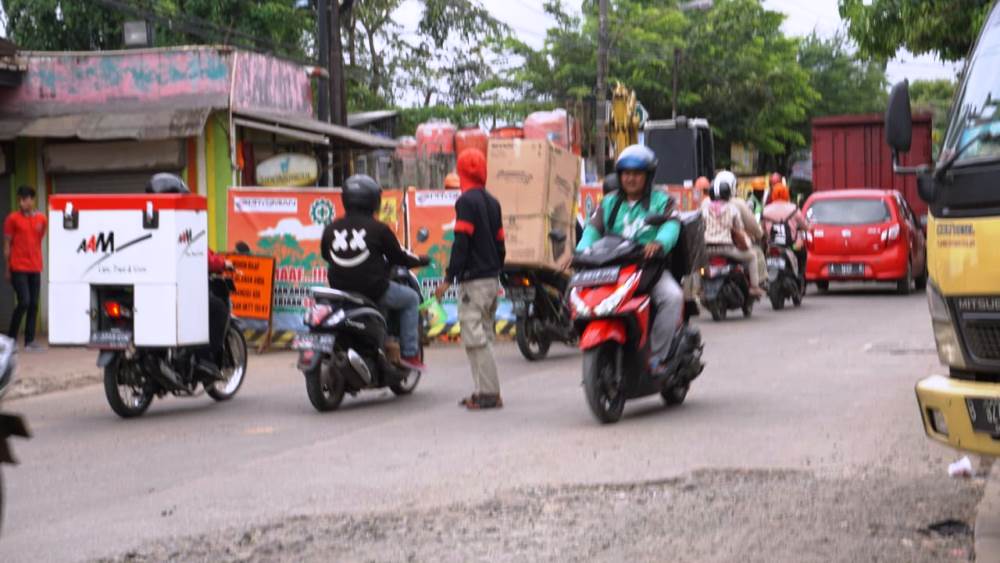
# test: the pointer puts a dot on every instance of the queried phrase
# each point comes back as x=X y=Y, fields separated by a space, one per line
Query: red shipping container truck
x=849 y=151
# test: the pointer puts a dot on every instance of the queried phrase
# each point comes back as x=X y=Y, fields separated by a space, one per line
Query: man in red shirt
x=23 y=231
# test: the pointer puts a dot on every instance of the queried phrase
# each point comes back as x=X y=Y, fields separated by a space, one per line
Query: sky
x=530 y=21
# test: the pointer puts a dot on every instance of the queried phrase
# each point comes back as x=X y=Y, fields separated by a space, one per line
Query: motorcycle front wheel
x=234 y=367
x=533 y=346
x=326 y=395
x=604 y=382
x=125 y=388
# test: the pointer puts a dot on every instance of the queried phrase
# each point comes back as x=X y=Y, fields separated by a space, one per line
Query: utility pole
x=338 y=87
x=677 y=66
x=323 y=34
x=602 y=89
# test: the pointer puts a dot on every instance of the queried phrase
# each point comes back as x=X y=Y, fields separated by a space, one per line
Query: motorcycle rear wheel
x=407 y=385
x=120 y=376
x=234 y=367
x=603 y=382
x=532 y=346
x=327 y=396
x=718 y=312
x=777 y=299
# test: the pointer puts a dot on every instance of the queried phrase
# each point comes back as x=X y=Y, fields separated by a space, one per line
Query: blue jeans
x=406 y=301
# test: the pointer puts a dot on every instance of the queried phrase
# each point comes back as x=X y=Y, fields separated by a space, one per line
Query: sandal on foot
x=483 y=402
x=471 y=399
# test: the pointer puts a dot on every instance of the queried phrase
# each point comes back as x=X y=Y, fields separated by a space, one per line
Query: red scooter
x=613 y=313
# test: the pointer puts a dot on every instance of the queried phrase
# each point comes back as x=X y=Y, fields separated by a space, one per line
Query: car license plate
x=599 y=276
x=318 y=342
x=847 y=270
x=116 y=339
x=776 y=262
x=984 y=415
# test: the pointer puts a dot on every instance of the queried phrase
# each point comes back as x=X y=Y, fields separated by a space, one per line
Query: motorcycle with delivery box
x=128 y=276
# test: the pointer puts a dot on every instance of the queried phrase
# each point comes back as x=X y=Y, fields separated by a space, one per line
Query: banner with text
x=287 y=224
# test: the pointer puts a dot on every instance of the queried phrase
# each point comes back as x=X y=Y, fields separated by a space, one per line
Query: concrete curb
x=987 y=528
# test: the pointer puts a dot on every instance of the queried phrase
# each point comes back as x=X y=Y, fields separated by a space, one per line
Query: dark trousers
x=26 y=286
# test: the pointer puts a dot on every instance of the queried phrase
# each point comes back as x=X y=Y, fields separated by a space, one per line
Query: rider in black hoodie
x=361 y=250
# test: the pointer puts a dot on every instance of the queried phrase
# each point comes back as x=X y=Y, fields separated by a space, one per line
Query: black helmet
x=362 y=195
x=723 y=186
x=611 y=183
x=166 y=183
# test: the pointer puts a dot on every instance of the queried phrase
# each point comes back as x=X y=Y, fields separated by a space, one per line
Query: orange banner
x=431 y=231
x=254 y=280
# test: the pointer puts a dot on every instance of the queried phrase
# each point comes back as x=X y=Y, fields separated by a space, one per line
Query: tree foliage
x=943 y=27
x=934 y=96
x=845 y=83
x=71 y=25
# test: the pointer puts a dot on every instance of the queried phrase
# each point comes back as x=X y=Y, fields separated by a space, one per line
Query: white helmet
x=723 y=186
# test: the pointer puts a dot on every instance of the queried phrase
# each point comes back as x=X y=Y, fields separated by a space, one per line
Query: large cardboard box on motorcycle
x=536 y=183
x=152 y=249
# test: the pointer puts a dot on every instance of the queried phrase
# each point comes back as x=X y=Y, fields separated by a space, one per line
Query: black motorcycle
x=133 y=375
x=542 y=314
x=725 y=286
x=783 y=283
x=348 y=348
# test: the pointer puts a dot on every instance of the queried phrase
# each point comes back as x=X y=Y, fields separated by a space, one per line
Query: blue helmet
x=638 y=158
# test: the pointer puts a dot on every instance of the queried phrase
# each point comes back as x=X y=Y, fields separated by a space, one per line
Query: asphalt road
x=823 y=393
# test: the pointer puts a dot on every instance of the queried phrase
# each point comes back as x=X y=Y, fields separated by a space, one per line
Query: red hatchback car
x=864 y=235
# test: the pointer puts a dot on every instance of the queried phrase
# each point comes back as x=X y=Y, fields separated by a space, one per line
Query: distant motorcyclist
x=757 y=198
x=623 y=213
x=361 y=249
x=780 y=214
x=722 y=221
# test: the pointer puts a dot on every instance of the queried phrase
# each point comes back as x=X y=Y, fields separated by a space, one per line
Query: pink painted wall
x=67 y=83
x=267 y=84
x=60 y=83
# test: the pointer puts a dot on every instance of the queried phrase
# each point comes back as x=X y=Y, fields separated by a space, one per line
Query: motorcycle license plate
x=984 y=415
x=526 y=294
x=116 y=339
x=318 y=342
x=776 y=262
x=599 y=276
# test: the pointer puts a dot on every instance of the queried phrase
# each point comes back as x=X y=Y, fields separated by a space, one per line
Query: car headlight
x=948 y=346
x=581 y=308
x=612 y=301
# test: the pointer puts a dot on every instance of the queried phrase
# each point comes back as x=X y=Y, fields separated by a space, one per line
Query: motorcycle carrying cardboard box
x=536 y=183
x=153 y=247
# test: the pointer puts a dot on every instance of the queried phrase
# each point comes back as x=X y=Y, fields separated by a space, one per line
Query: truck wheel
x=234 y=367
x=533 y=346
x=325 y=396
x=125 y=388
x=603 y=382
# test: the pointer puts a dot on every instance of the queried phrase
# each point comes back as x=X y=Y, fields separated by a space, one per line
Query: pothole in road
x=948 y=528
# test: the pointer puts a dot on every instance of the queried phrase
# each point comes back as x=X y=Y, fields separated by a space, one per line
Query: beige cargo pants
x=477 y=308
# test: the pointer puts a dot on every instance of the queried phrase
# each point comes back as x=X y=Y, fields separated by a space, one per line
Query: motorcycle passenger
x=361 y=250
x=623 y=213
x=782 y=212
x=722 y=220
x=218 y=310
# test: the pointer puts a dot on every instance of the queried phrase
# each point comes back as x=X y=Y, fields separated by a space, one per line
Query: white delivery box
x=152 y=246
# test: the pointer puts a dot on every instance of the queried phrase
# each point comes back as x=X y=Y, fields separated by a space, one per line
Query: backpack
x=781 y=231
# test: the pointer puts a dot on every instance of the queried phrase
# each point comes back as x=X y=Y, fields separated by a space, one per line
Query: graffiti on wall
x=267 y=84
x=68 y=83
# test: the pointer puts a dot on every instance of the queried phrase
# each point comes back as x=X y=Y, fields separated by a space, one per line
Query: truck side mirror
x=927 y=188
x=898 y=119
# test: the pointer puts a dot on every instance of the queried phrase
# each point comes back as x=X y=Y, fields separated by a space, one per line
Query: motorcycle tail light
x=113 y=310
x=717 y=261
x=318 y=313
x=774 y=251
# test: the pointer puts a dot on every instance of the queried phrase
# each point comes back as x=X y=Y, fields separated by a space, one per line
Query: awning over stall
x=311 y=130
x=147 y=125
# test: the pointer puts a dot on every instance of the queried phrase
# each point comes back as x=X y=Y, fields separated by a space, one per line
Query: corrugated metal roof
x=366 y=117
x=343 y=137
x=148 y=125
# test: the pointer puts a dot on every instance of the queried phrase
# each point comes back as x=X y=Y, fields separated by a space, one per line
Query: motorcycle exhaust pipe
x=359 y=365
